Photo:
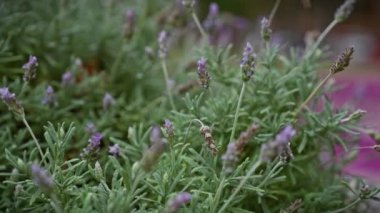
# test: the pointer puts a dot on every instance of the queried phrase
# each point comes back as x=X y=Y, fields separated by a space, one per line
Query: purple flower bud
x=169 y=128
x=10 y=100
x=203 y=74
x=108 y=101
x=30 y=68
x=280 y=145
x=95 y=140
x=285 y=135
x=162 y=44
x=230 y=158
x=266 y=32
x=248 y=62
x=129 y=23
x=212 y=23
x=68 y=79
x=6 y=95
x=175 y=203
x=50 y=98
x=42 y=179
x=93 y=145
x=153 y=153
x=214 y=9
x=114 y=150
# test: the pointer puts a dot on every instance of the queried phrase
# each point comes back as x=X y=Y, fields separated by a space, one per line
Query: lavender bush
x=133 y=107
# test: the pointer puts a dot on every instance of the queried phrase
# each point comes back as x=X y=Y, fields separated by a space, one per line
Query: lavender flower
x=203 y=75
x=153 y=153
x=129 y=23
x=343 y=61
x=344 y=10
x=266 y=32
x=175 y=203
x=162 y=44
x=169 y=128
x=10 y=100
x=68 y=79
x=108 y=101
x=211 y=23
x=30 y=68
x=114 y=150
x=50 y=98
x=93 y=145
x=42 y=179
x=280 y=145
x=230 y=158
x=248 y=62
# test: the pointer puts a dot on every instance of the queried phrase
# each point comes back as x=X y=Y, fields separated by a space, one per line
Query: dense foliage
x=124 y=125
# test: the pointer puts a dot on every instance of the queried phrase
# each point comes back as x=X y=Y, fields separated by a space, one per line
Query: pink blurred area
x=360 y=88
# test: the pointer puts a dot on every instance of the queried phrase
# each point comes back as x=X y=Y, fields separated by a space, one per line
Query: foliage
x=61 y=32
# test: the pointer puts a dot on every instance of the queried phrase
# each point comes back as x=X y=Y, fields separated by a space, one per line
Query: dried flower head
x=169 y=128
x=42 y=179
x=235 y=149
x=114 y=150
x=162 y=44
x=245 y=137
x=108 y=101
x=175 y=203
x=68 y=79
x=343 y=61
x=266 y=32
x=344 y=10
x=153 y=153
x=203 y=75
x=50 y=98
x=248 y=62
x=10 y=100
x=129 y=23
x=279 y=146
x=206 y=133
x=30 y=68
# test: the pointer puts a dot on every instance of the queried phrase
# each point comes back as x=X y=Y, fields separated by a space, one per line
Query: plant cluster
x=135 y=106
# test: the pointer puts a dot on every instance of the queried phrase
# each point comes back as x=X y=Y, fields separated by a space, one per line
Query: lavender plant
x=114 y=157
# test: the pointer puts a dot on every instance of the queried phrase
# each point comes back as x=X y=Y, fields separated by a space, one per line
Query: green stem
x=312 y=94
x=200 y=28
x=56 y=204
x=320 y=38
x=273 y=12
x=243 y=181
x=278 y=164
x=352 y=204
x=24 y=85
x=237 y=112
x=166 y=76
x=218 y=194
x=34 y=139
